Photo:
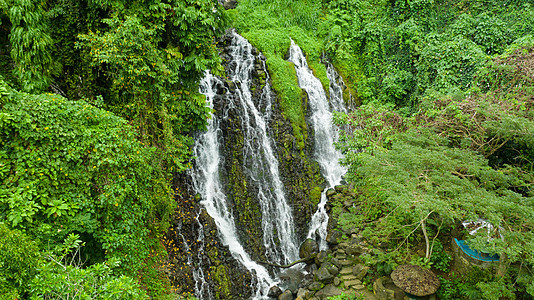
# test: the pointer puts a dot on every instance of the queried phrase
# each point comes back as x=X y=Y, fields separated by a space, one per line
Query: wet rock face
x=291 y=279
x=309 y=249
x=274 y=292
x=224 y=277
x=299 y=173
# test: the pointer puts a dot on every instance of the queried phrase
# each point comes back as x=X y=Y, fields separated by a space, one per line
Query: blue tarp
x=474 y=253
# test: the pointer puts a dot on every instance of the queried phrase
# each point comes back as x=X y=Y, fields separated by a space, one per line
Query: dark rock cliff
x=302 y=183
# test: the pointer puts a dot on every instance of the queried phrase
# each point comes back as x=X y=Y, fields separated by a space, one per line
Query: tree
x=154 y=54
x=30 y=43
x=69 y=167
x=456 y=159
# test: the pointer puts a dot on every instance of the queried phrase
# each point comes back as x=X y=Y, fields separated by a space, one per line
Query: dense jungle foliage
x=98 y=100
x=98 y=103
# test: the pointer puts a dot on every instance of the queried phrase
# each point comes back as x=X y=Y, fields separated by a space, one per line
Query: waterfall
x=259 y=163
x=325 y=135
x=206 y=182
x=202 y=289
x=336 y=89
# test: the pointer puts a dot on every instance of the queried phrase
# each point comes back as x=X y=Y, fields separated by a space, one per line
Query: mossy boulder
x=309 y=249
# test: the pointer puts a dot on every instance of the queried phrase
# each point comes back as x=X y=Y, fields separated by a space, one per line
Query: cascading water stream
x=260 y=161
x=202 y=289
x=205 y=177
x=336 y=90
x=325 y=135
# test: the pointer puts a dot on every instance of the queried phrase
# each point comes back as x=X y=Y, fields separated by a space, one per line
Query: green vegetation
x=399 y=51
x=455 y=159
x=98 y=101
x=445 y=133
x=93 y=149
x=269 y=26
x=57 y=273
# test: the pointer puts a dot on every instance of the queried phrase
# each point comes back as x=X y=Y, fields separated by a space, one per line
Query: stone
x=348 y=277
x=328 y=291
x=308 y=249
x=315 y=286
x=274 y=292
x=384 y=288
x=350 y=283
x=381 y=291
x=346 y=270
x=303 y=293
x=287 y=295
x=333 y=236
x=336 y=262
x=336 y=281
x=230 y=4
x=321 y=257
x=340 y=252
x=291 y=279
x=330 y=193
x=311 y=268
x=323 y=275
x=415 y=280
x=332 y=269
x=360 y=271
x=354 y=250
x=231 y=86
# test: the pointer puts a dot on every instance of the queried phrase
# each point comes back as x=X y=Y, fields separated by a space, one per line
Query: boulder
x=323 y=275
x=309 y=249
x=291 y=279
x=315 y=286
x=287 y=295
x=414 y=280
x=321 y=257
x=328 y=291
x=274 y=292
x=333 y=236
x=331 y=268
x=336 y=281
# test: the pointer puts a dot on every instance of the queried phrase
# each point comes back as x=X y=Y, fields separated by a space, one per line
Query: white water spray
x=325 y=136
x=260 y=161
x=206 y=182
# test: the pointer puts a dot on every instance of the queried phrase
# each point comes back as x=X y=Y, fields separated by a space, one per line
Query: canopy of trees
x=98 y=100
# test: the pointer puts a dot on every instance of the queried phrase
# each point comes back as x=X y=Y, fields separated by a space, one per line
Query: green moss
x=285 y=82
x=315 y=194
x=274 y=44
x=269 y=41
x=352 y=75
x=220 y=275
x=248 y=209
x=213 y=254
x=319 y=71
